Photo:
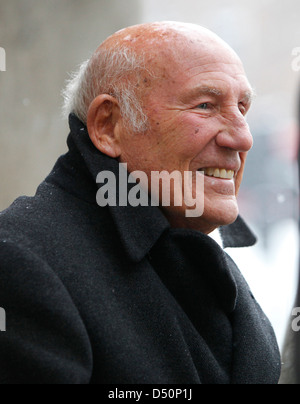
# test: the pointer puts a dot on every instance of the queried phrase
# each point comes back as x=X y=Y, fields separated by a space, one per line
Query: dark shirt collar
x=83 y=164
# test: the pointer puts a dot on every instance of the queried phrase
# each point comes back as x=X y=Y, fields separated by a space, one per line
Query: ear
x=103 y=125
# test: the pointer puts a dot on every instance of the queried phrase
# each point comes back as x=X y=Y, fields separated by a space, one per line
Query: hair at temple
x=115 y=72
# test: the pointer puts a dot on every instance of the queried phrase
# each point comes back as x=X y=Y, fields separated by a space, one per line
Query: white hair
x=115 y=72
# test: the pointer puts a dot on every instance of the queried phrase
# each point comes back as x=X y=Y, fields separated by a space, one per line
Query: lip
x=220 y=186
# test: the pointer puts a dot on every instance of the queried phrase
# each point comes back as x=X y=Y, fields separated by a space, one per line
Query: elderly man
x=139 y=294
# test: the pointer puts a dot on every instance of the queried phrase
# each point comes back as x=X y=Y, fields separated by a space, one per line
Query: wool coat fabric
x=105 y=295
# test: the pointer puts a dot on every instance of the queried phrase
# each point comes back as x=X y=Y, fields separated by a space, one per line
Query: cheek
x=176 y=138
x=194 y=134
x=136 y=151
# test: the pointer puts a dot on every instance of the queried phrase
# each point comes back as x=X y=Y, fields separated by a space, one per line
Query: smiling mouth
x=219 y=173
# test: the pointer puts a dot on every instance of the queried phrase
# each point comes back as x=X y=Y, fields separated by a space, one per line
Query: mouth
x=221 y=173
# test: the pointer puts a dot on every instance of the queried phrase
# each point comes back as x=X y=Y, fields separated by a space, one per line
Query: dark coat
x=114 y=295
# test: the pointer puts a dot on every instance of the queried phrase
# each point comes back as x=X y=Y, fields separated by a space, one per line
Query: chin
x=221 y=214
x=206 y=224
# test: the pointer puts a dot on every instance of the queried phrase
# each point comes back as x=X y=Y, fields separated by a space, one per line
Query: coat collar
x=139 y=227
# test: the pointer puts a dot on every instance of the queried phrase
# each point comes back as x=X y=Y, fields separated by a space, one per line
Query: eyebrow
x=247 y=96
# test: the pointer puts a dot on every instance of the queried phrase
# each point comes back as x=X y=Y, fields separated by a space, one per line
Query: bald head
x=131 y=61
x=163 y=45
x=167 y=34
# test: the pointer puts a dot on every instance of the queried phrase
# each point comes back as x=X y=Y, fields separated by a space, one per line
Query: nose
x=235 y=133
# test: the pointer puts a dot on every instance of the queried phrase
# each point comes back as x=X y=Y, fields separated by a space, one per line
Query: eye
x=204 y=106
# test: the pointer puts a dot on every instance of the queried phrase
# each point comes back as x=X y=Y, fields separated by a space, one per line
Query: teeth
x=216 y=173
x=223 y=174
x=219 y=173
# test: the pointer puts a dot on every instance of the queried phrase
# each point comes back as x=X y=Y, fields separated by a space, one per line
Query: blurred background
x=46 y=40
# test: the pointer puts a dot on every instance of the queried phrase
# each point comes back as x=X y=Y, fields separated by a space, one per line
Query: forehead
x=241 y=89
x=181 y=57
x=215 y=83
x=211 y=69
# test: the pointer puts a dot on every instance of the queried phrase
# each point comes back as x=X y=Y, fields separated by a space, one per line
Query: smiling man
x=139 y=294
x=196 y=95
